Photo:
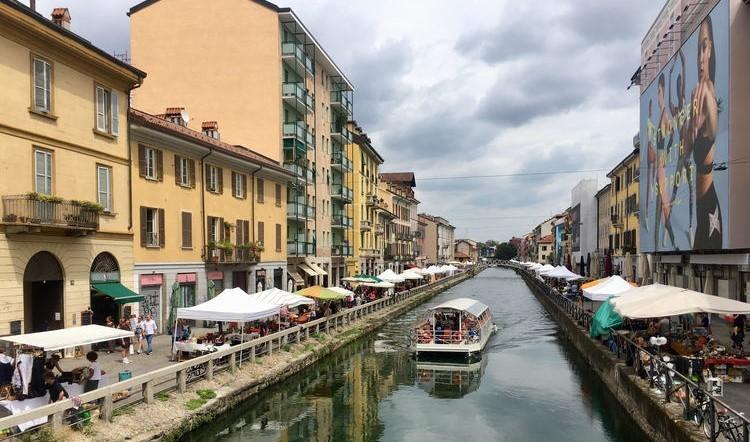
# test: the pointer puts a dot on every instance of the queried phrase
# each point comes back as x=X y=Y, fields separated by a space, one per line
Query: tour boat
x=459 y=326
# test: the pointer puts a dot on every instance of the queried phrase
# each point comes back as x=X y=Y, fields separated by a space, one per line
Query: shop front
x=109 y=297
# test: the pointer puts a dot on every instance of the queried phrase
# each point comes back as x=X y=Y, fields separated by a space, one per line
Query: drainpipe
x=130 y=158
x=203 y=198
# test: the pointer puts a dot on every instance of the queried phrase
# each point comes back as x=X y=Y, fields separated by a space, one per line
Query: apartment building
x=274 y=90
x=545 y=249
x=367 y=255
x=67 y=227
x=208 y=214
x=603 y=227
x=398 y=190
x=429 y=242
x=466 y=250
x=624 y=210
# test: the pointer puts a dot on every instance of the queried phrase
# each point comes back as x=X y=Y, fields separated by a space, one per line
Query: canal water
x=530 y=385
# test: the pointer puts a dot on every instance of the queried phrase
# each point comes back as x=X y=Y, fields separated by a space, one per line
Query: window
x=104 y=187
x=214 y=179
x=278 y=237
x=184 y=171
x=42 y=73
x=260 y=191
x=43 y=172
x=261 y=232
x=278 y=195
x=239 y=186
x=187 y=230
x=152 y=227
x=107 y=120
x=215 y=229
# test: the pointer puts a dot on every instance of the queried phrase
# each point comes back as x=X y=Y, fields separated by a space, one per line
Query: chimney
x=210 y=129
x=177 y=115
x=32 y=5
x=61 y=17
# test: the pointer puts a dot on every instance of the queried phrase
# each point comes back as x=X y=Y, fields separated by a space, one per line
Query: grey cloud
x=505 y=42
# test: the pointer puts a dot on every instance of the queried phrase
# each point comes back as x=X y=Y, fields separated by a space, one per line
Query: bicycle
x=726 y=425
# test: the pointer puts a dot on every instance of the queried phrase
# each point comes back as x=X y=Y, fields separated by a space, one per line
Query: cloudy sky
x=469 y=88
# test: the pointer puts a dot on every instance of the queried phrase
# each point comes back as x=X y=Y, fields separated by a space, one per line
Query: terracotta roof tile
x=546 y=239
x=399 y=177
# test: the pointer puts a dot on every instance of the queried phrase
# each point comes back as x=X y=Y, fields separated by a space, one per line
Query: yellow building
x=274 y=89
x=397 y=189
x=624 y=211
x=66 y=219
x=208 y=214
x=367 y=256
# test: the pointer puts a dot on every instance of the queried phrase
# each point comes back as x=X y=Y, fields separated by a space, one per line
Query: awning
x=295 y=276
x=230 y=305
x=307 y=269
x=321 y=293
x=69 y=337
x=118 y=292
x=317 y=269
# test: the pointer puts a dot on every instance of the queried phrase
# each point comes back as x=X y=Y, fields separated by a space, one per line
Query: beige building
x=546 y=247
x=445 y=240
x=67 y=227
x=209 y=214
x=466 y=250
x=604 y=224
x=430 y=242
x=398 y=190
x=367 y=256
x=275 y=90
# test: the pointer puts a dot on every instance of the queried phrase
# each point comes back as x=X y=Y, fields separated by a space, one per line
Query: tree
x=491 y=243
x=505 y=251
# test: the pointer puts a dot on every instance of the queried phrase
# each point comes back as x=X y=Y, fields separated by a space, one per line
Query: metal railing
x=341 y=221
x=177 y=376
x=297 y=50
x=26 y=210
x=341 y=99
x=298 y=91
x=339 y=159
x=341 y=250
x=716 y=416
x=340 y=130
x=341 y=191
x=300 y=248
x=236 y=254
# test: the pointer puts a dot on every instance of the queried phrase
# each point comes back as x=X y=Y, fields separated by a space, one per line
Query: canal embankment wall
x=169 y=419
x=661 y=421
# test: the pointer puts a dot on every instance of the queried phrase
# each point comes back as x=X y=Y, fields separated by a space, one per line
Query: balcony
x=34 y=212
x=341 y=192
x=231 y=254
x=341 y=102
x=300 y=248
x=295 y=95
x=299 y=172
x=379 y=229
x=628 y=249
x=341 y=221
x=616 y=220
x=340 y=133
x=296 y=136
x=341 y=250
x=405 y=237
x=294 y=55
x=340 y=161
x=365 y=224
x=371 y=200
x=299 y=211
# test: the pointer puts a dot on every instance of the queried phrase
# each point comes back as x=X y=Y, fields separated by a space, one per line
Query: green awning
x=118 y=292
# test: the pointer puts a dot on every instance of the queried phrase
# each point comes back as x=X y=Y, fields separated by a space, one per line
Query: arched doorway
x=43 y=283
x=104 y=269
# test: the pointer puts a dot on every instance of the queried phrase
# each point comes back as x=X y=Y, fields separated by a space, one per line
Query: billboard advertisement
x=575 y=228
x=684 y=130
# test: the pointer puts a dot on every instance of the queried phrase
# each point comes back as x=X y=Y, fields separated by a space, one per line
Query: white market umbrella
x=342 y=290
x=380 y=285
x=656 y=300
x=282 y=298
x=544 y=269
x=406 y=274
x=391 y=276
x=613 y=286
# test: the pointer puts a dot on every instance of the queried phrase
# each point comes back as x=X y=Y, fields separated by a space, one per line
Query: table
x=18 y=407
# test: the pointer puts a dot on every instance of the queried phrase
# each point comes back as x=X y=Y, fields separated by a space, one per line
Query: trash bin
x=125 y=375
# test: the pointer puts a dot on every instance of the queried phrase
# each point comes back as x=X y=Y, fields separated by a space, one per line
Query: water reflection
x=450 y=380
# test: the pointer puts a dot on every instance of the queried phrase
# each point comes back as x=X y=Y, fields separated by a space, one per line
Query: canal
x=530 y=385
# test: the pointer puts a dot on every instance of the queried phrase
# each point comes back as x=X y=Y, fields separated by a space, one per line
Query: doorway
x=43 y=284
x=239 y=279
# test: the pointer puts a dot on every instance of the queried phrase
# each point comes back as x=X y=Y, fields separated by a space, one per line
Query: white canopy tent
x=341 y=290
x=545 y=269
x=560 y=272
x=656 y=300
x=69 y=337
x=380 y=285
x=390 y=276
x=612 y=286
x=408 y=274
x=281 y=298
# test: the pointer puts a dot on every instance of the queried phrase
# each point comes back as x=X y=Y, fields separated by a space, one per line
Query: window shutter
x=261 y=232
x=161 y=227
x=278 y=237
x=260 y=190
x=142 y=160
x=234 y=183
x=115 y=115
x=205 y=177
x=221 y=229
x=244 y=186
x=159 y=165
x=191 y=173
x=143 y=226
x=187 y=229
x=238 y=234
x=245 y=232
x=177 y=170
x=220 y=180
x=278 y=194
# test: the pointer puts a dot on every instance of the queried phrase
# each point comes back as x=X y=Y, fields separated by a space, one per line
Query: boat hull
x=465 y=349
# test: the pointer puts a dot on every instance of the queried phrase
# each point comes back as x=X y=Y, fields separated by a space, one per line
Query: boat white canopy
x=468 y=305
x=68 y=337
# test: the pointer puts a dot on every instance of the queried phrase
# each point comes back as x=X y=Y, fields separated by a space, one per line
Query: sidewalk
x=736 y=396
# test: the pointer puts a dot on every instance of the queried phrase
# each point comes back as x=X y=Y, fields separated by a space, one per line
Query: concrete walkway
x=736 y=396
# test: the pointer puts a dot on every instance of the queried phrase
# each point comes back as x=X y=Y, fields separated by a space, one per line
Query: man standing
x=149 y=328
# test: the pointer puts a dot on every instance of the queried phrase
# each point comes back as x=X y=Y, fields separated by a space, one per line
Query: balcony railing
x=296 y=210
x=365 y=224
x=340 y=100
x=295 y=51
x=296 y=169
x=231 y=255
x=340 y=133
x=372 y=200
x=300 y=248
x=31 y=210
x=341 y=221
x=339 y=159
x=298 y=92
x=341 y=250
x=341 y=192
